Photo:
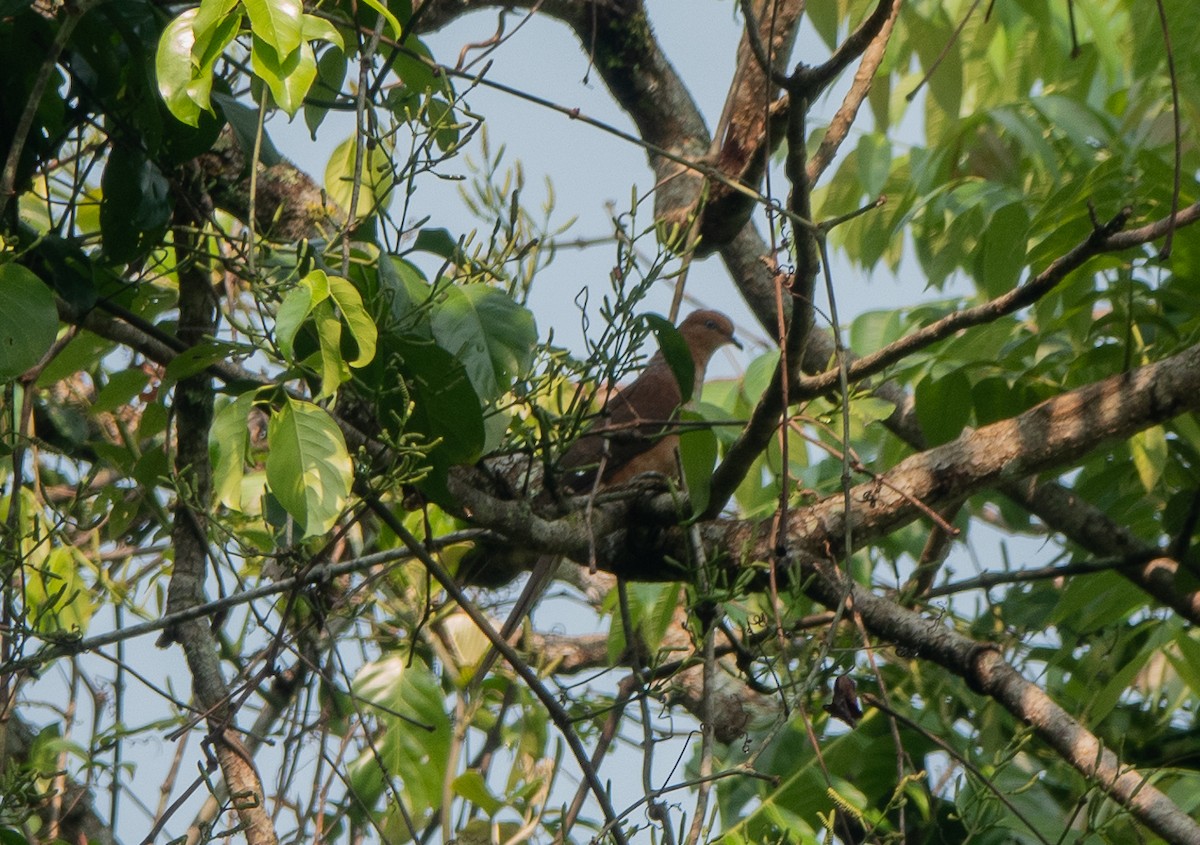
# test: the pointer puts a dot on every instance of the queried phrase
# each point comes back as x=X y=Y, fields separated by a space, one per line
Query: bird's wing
x=637 y=418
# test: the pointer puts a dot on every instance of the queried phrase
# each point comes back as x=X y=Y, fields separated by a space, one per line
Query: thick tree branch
x=193 y=412
x=1049 y=436
x=752 y=121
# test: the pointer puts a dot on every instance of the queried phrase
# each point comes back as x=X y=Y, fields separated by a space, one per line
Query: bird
x=634 y=435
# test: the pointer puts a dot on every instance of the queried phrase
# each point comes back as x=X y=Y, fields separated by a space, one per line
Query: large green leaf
x=490 y=334
x=874 y=163
x=675 y=349
x=375 y=179
x=28 y=320
x=57 y=595
x=173 y=68
x=227 y=441
x=355 y=316
x=403 y=695
x=328 y=358
x=295 y=308
x=136 y=203
x=1001 y=256
x=288 y=75
x=1149 y=450
x=277 y=23
x=243 y=120
x=315 y=297
x=698 y=454
x=445 y=405
x=331 y=72
x=943 y=405
x=308 y=467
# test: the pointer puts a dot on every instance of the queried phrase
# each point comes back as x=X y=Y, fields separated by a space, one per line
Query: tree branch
x=193 y=411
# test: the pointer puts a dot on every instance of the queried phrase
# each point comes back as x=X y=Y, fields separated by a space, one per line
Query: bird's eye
x=710 y=324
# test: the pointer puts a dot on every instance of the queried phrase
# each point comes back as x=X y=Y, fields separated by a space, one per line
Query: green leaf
x=122 y=387
x=1002 y=250
x=332 y=365
x=136 y=203
x=289 y=76
x=943 y=405
x=473 y=787
x=866 y=410
x=362 y=327
x=995 y=400
x=674 y=348
x=874 y=163
x=227 y=442
x=173 y=69
x=490 y=334
x=375 y=180
x=1187 y=663
x=196 y=359
x=405 y=292
x=243 y=120
x=698 y=454
x=1149 y=450
x=8 y=836
x=759 y=374
x=445 y=405
x=315 y=296
x=415 y=68
x=319 y=29
x=873 y=330
x=331 y=72
x=438 y=242
x=1086 y=605
x=295 y=308
x=824 y=19
x=277 y=23
x=652 y=608
x=215 y=26
x=28 y=320
x=404 y=696
x=57 y=597
x=1103 y=698
x=382 y=8
x=308 y=467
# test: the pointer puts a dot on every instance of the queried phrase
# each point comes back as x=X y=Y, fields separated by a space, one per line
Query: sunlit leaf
x=227 y=441
x=1149 y=450
x=289 y=76
x=277 y=23
x=308 y=467
x=173 y=69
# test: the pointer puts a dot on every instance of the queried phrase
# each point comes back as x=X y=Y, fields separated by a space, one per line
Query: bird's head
x=705 y=332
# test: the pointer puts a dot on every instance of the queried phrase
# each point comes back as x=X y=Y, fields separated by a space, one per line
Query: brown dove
x=634 y=436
